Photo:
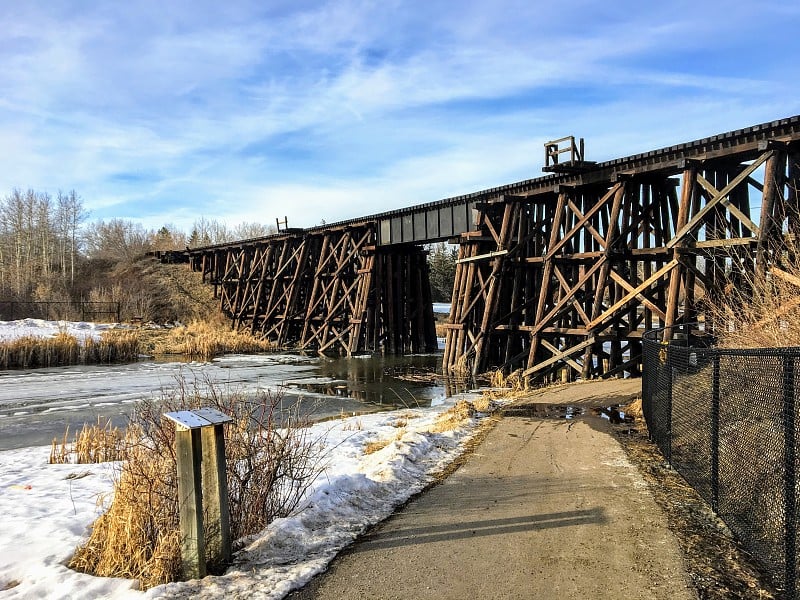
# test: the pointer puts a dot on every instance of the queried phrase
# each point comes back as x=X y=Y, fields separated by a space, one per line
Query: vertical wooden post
x=215 y=488
x=687 y=191
x=215 y=493
x=190 y=502
x=769 y=227
x=202 y=488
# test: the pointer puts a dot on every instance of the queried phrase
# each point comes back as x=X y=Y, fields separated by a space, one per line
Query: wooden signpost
x=202 y=484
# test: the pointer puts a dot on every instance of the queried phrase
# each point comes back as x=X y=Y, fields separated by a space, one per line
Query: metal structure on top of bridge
x=557 y=276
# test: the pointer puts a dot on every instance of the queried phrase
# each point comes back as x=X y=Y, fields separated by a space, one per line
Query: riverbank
x=373 y=463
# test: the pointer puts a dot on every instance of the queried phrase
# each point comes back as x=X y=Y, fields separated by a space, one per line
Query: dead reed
x=760 y=310
x=31 y=352
x=502 y=386
x=205 y=340
x=94 y=443
x=113 y=346
x=454 y=417
x=271 y=461
x=378 y=445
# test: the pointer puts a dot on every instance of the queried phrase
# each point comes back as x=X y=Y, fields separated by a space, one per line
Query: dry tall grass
x=762 y=311
x=205 y=340
x=454 y=417
x=378 y=445
x=271 y=462
x=507 y=387
x=63 y=349
x=93 y=444
x=118 y=345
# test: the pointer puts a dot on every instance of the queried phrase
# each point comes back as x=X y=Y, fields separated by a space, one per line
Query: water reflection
x=386 y=381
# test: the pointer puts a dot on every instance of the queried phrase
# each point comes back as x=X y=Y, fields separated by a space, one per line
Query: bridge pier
x=332 y=290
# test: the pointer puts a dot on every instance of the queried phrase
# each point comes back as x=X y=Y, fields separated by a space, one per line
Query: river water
x=37 y=405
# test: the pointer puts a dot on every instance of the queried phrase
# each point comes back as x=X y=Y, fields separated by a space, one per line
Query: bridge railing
x=726 y=420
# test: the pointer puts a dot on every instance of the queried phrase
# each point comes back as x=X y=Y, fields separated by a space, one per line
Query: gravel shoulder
x=544 y=507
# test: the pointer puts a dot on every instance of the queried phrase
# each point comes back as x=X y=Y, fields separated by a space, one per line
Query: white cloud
x=251 y=109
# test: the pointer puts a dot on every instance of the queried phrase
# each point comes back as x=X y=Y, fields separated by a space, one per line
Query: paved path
x=544 y=508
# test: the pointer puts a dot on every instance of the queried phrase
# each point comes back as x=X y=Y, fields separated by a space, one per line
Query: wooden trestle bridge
x=557 y=276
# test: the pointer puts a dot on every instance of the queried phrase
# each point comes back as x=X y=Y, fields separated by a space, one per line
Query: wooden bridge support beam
x=332 y=291
x=643 y=251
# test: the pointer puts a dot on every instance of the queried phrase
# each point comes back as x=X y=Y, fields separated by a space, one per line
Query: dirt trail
x=544 y=508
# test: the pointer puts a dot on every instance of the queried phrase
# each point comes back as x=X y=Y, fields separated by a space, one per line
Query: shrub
x=761 y=312
x=63 y=349
x=204 y=340
x=271 y=461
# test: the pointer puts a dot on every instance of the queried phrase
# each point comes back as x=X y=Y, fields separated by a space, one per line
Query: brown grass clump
x=63 y=349
x=378 y=445
x=205 y=340
x=634 y=409
x=115 y=345
x=501 y=386
x=761 y=312
x=453 y=418
x=484 y=404
x=270 y=462
x=95 y=443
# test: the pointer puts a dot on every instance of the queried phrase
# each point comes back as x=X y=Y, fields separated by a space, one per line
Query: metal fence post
x=715 y=435
x=670 y=374
x=789 y=478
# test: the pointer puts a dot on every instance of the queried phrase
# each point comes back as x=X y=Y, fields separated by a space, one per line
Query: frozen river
x=38 y=405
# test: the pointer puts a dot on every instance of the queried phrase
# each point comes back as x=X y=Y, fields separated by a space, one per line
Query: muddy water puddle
x=545 y=411
x=615 y=413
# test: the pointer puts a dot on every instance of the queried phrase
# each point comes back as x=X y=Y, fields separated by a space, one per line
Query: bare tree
x=70 y=215
x=118 y=240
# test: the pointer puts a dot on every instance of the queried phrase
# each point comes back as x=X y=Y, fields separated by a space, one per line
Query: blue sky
x=165 y=112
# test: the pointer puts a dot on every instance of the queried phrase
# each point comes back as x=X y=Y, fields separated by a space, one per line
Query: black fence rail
x=727 y=421
x=12 y=310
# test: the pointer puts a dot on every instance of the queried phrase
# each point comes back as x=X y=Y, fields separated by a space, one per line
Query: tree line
x=50 y=251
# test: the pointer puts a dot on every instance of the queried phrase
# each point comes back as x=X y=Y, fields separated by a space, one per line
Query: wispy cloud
x=248 y=110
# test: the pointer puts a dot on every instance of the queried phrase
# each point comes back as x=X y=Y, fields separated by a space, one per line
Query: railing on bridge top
x=727 y=421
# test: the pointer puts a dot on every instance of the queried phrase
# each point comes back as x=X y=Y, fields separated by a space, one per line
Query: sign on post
x=202 y=483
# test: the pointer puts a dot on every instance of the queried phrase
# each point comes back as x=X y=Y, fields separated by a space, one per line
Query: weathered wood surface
x=330 y=291
x=592 y=266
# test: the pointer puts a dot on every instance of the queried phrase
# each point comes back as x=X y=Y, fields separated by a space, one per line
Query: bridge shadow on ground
x=482 y=527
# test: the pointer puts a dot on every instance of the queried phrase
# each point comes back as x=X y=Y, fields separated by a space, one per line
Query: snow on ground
x=11 y=330
x=46 y=510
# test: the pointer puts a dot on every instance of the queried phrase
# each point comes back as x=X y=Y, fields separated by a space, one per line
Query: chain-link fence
x=11 y=310
x=727 y=421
